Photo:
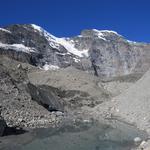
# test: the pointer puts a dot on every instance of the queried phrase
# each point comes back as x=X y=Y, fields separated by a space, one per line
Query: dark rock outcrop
x=46 y=96
x=2 y=126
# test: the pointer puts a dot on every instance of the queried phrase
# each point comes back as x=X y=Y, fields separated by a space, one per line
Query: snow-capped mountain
x=101 y=52
x=55 y=42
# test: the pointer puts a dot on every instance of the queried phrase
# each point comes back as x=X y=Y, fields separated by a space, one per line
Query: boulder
x=46 y=96
x=2 y=126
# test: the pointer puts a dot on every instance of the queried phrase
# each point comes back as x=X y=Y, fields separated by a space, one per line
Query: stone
x=2 y=126
x=46 y=96
x=137 y=140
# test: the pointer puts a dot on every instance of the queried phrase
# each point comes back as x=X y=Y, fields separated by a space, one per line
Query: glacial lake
x=80 y=136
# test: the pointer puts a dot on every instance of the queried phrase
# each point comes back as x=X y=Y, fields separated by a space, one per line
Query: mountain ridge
x=101 y=52
x=91 y=29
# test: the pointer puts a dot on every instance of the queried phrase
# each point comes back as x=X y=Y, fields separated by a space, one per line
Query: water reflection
x=82 y=136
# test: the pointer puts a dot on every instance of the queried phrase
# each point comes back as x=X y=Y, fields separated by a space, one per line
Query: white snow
x=101 y=33
x=50 y=67
x=109 y=31
x=85 y=52
x=48 y=36
x=76 y=60
x=99 y=36
x=137 y=139
x=36 y=27
x=71 y=48
x=63 y=54
x=4 y=30
x=44 y=32
x=55 y=42
x=17 y=47
x=132 y=42
x=105 y=31
x=79 y=36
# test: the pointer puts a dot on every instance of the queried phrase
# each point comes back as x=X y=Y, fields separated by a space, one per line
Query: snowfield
x=17 y=47
x=56 y=42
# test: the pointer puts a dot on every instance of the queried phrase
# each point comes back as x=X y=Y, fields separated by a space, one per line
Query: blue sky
x=131 y=18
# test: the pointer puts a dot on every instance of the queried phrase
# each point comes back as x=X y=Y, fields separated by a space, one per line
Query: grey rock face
x=103 y=53
x=46 y=96
x=45 y=52
x=112 y=55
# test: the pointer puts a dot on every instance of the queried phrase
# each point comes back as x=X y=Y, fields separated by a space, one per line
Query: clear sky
x=131 y=18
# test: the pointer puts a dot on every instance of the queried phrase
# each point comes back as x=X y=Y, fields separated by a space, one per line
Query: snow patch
x=101 y=33
x=36 y=27
x=105 y=31
x=131 y=42
x=4 y=30
x=79 y=36
x=109 y=31
x=71 y=47
x=50 y=67
x=53 y=45
x=76 y=60
x=63 y=54
x=17 y=47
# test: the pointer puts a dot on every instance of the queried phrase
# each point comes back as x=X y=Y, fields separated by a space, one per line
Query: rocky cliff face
x=103 y=53
x=112 y=55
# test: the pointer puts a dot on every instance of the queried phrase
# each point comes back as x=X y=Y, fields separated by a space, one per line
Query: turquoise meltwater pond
x=83 y=136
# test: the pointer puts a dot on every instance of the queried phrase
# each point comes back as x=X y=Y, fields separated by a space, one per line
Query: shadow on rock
x=13 y=131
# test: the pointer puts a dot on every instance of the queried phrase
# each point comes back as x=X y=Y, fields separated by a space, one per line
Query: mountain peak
x=101 y=34
x=36 y=27
x=105 y=31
